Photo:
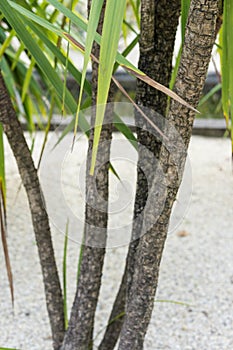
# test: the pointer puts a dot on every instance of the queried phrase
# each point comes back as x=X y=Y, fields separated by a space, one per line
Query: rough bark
x=159 y=20
x=80 y=331
x=156 y=51
x=81 y=324
x=53 y=293
x=116 y=318
x=199 y=40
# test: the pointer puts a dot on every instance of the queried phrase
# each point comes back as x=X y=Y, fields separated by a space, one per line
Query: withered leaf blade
x=4 y=242
x=161 y=88
x=142 y=76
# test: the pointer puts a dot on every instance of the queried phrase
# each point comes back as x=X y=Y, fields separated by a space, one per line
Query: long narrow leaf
x=36 y=104
x=96 y=7
x=137 y=107
x=58 y=53
x=215 y=89
x=27 y=79
x=175 y=68
x=228 y=17
x=16 y=22
x=17 y=55
x=185 y=4
x=135 y=11
x=224 y=67
x=119 y=58
x=113 y=18
x=3 y=225
x=128 y=49
x=125 y=130
x=161 y=88
x=7 y=42
x=226 y=43
x=83 y=25
x=22 y=11
x=8 y=78
x=149 y=81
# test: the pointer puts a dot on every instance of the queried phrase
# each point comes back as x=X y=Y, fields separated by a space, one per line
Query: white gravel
x=196 y=269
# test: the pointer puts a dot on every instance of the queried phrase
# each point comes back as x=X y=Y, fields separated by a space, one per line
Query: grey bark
x=159 y=20
x=80 y=331
x=116 y=318
x=28 y=173
x=199 y=40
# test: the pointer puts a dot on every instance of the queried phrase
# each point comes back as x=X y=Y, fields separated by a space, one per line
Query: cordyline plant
x=40 y=30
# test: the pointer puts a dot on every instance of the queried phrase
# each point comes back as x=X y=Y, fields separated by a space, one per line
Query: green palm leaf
x=96 y=7
x=83 y=25
x=226 y=56
x=113 y=18
x=16 y=21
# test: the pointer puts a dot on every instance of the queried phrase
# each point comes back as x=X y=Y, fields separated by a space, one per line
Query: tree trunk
x=80 y=331
x=158 y=30
x=29 y=177
x=159 y=20
x=199 y=40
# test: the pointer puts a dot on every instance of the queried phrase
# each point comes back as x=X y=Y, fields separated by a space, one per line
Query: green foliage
x=210 y=104
x=95 y=11
x=114 y=13
x=185 y=4
x=53 y=79
x=226 y=64
x=184 y=16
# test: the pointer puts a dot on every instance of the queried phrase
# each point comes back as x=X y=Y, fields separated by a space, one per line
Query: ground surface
x=197 y=266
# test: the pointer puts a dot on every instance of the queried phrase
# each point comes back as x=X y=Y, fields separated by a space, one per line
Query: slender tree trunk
x=29 y=177
x=116 y=318
x=158 y=30
x=159 y=20
x=199 y=40
x=81 y=325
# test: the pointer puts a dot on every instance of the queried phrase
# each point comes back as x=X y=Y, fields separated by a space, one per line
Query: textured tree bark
x=199 y=40
x=116 y=318
x=156 y=51
x=81 y=324
x=80 y=331
x=159 y=20
x=29 y=177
